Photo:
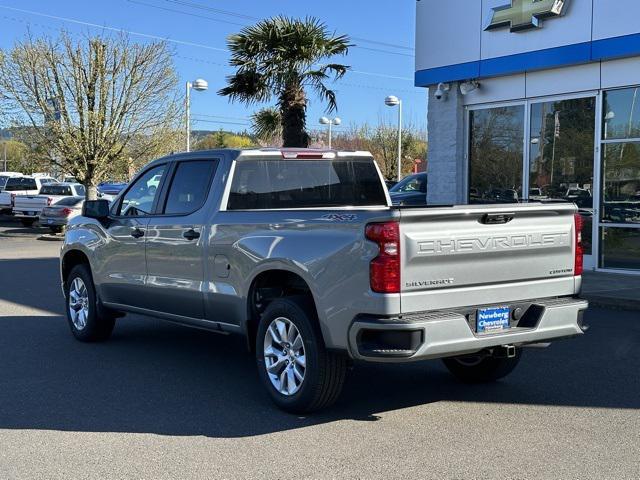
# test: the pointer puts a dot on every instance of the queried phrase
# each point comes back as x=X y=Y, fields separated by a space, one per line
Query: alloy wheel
x=78 y=303
x=284 y=356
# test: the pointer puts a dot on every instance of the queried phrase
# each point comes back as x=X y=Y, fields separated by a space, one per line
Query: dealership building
x=538 y=99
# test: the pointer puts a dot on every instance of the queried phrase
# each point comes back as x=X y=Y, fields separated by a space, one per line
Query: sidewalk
x=611 y=290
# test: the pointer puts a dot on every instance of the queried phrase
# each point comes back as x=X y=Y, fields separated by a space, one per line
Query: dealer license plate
x=492 y=320
x=49 y=221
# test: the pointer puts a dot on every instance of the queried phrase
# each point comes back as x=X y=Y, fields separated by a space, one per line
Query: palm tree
x=266 y=125
x=279 y=57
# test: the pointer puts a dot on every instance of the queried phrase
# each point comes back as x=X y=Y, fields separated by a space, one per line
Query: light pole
x=330 y=122
x=607 y=118
x=198 y=85
x=392 y=101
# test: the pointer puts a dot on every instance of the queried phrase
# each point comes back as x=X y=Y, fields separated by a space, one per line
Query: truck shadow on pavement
x=155 y=377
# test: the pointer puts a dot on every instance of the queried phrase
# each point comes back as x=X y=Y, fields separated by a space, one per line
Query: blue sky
x=382 y=62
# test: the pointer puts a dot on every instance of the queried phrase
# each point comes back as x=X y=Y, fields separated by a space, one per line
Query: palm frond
x=266 y=124
x=247 y=86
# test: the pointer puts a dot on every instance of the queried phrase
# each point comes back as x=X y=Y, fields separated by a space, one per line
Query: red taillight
x=65 y=212
x=384 y=270
x=579 y=262
x=49 y=200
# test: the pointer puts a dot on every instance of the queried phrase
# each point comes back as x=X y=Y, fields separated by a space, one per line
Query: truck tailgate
x=486 y=254
x=31 y=204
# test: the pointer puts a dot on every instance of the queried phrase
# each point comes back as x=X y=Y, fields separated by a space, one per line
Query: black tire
x=472 y=369
x=325 y=371
x=27 y=222
x=56 y=229
x=99 y=324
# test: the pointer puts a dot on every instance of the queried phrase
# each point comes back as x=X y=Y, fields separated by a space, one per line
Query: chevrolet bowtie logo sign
x=525 y=14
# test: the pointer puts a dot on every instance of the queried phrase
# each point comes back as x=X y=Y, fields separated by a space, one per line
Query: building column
x=447 y=166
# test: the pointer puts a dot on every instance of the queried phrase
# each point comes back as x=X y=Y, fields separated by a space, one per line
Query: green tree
x=382 y=141
x=16 y=155
x=280 y=57
x=222 y=139
x=88 y=101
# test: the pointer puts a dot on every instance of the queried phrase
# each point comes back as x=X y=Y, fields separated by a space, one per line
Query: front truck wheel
x=88 y=322
x=482 y=369
x=299 y=373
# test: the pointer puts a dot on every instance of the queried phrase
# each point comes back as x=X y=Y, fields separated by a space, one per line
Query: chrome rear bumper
x=439 y=334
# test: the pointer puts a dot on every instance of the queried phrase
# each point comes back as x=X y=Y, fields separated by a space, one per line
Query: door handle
x=191 y=234
x=137 y=233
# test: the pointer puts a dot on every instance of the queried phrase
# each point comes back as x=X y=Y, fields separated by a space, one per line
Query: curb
x=613 y=303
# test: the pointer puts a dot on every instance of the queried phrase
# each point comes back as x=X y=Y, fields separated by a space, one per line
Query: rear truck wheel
x=482 y=369
x=299 y=373
x=88 y=322
x=27 y=222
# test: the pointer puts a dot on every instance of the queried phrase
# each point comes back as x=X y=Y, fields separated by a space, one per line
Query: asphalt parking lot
x=163 y=401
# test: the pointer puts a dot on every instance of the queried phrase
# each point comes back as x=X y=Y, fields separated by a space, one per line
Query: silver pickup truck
x=302 y=253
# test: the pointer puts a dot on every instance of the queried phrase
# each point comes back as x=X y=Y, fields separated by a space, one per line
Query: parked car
x=17 y=186
x=4 y=176
x=300 y=252
x=57 y=216
x=503 y=195
x=411 y=190
x=111 y=188
x=28 y=207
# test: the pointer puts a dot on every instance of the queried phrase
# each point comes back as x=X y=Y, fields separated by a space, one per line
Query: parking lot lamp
x=392 y=101
x=330 y=122
x=198 y=85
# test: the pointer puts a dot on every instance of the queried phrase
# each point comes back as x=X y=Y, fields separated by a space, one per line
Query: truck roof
x=294 y=153
x=281 y=153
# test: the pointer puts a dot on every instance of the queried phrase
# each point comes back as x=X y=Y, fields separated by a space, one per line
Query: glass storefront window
x=621 y=114
x=561 y=155
x=620 y=245
x=621 y=183
x=620 y=248
x=496 y=154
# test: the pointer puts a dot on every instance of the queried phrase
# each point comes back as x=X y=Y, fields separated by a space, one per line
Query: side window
x=189 y=187
x=80 y=191
x=140 y=197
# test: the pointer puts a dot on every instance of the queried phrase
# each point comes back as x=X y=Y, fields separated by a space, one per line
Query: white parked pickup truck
x=18 y=186
x=28 y=207
x=4 y=176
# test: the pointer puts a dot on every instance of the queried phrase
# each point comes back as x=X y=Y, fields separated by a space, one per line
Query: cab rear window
x=20 y=183
x=56 y=190
x=263 y=184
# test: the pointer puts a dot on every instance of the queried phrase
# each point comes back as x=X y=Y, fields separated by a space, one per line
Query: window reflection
x=621 y=114
x=621 y=181
x=561 y=155
x=496 y=154
x=561 y=151
x=620 y=248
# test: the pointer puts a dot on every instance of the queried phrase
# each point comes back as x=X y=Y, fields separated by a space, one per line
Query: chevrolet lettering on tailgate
x=482 y=244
